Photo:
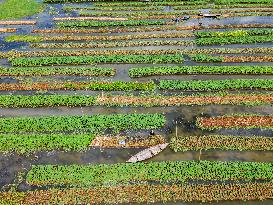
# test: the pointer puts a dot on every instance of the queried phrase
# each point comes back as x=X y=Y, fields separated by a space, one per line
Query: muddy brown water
x=11 y=164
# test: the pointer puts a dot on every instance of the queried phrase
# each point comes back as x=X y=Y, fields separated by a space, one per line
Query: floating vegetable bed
x=183 y=171
x=236 y=122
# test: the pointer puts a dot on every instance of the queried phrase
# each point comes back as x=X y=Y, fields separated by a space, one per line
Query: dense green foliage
x=233 y=33
x=233 y=40
x=45 y=100
x=203 y=58
x=27 y=144
x=111 y=86
x=243 y=1
x=73 y=24
x=11 y=9
x=42 y=71
x=176 y=70
x=23 y=38
x=116 y=122
x=158 y=171
x=207 y=85
x=78 y=60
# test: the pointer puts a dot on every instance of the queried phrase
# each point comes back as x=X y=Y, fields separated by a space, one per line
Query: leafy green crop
x=43 y=71
x=27 y=144
x=116 y=122
x=45 y=100
x=176 y=70
x=78 y=60
x=207 y=85
x=233 y=33
x=89 y=175
x=203 y=58
x=233 y=40
x=74 y=24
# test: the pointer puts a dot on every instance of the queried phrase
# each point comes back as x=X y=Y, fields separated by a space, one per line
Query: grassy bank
x=11 y=9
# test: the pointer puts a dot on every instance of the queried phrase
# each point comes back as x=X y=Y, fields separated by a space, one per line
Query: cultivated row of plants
x=222 y=142
x=44 y=71
x=75 y=24
x=46 y=100
x=89 y=85
x=166 y=171
x=204 y=58
x=130 y=141
x=233 y=33
x=33 y=101
x=30 y=143
x=115 y=122
x=235 y=122
x=142 y=194
x=233 y=40
x=36 y=39
x=195 y=99
x=239 y=59
x=109 y=2
x=50 y=53
x=211 y=85
x=180 y=70
x=149 y=28
x=79 y=60
x=227 y=50
x=227 y=2
x=142 y=14
x=113 y=44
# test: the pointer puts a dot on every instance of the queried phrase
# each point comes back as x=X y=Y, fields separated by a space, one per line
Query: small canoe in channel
x=148 y=153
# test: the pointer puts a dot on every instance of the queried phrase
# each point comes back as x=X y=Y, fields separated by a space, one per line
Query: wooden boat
x=210 y=15
x=148 y=153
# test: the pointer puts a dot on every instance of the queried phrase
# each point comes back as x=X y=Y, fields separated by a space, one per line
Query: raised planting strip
x=26 y=144
x=95 y=85
x=76 y=24
x=167 y=171
x=53 y=53
x=193 y=70
x=211 y=85
x=152 y=3
x=201 y=99
x=204 y=58
x=233 y=40
x=233 y=33
x=32 y=38
x=221 y=142
x=137 y=15
x=142 y=194
x=109 y=3
x=149 y=28
x=117 y=122
x=162 y=70
x=79 y=60
x=50 y=71
x=7 y=30
x=33 y=101
x=113 y=44
x=235 y=122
